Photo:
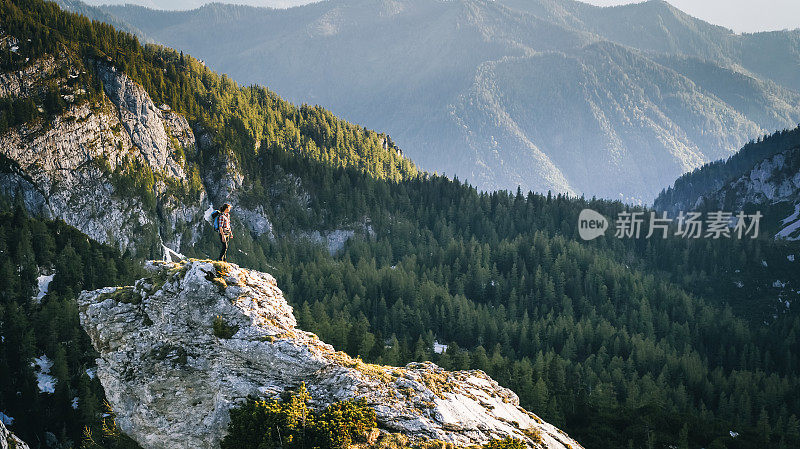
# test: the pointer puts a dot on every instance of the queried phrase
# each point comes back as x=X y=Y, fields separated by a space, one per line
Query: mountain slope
x=85 y=142
x=514 y=92
x=618 y=341
x=763 y=177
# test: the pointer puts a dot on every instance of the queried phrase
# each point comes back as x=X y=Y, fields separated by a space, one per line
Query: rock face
x=143 y=122
x=773 y=180
x=10 y=441
x=63 y=167
x=171 y=376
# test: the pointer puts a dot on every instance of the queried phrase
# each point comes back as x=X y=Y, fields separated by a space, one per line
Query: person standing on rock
x=224 y=229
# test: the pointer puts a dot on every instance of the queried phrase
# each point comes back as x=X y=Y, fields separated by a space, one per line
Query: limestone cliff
x=64 y=167
x=171 y=377
x=773 y=180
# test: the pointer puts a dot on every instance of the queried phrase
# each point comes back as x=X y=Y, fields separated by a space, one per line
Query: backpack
x=215 y=220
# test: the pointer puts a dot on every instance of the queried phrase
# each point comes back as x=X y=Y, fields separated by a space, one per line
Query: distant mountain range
x=545 y=94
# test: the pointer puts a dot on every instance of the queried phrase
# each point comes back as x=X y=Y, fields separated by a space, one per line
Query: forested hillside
x=621 y=342
x=240 y=116
x=49 y=393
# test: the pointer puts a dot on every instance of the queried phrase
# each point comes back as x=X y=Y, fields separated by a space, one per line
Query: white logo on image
x=591 y=224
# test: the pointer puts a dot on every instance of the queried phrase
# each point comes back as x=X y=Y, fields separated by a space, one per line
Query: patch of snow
x=778 y=284
x=790 y=225
x=91 y=373
x=786 y=303
x=44 y=285
x=438 y=347
x=790 y=257
x=75 y=403
x=7 y=420
x=15 y=48
x=169 y=254
x=739 y=284
x=733 y=434
x=46 y=382
x=764 y=263
x=795 y=215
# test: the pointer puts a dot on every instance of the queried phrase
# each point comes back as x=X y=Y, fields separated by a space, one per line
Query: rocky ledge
x=180 y=348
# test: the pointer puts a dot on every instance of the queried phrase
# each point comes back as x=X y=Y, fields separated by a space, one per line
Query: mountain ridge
x=423 y=91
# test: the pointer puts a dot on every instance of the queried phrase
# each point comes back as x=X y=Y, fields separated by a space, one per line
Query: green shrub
x=125 y=295
x=343 y=423
x=505 y=443
x=290 y=423
x=534 y=434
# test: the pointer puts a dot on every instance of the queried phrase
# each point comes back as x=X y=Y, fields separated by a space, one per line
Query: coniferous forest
x=620 y=342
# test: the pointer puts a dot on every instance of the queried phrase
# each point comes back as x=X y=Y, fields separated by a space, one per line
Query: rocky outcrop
x=171 y=375
x=143 y=121
x=61 y=171
x=10 y=441
x=772 y=180
x=19 y=83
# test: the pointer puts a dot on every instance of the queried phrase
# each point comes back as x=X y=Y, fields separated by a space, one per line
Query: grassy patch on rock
x=125 y=295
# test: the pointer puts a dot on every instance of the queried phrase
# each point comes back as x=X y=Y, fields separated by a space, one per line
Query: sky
x=742 y=16
x=739 y=15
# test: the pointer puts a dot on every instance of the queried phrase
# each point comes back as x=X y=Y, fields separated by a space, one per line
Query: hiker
x=222 y=224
